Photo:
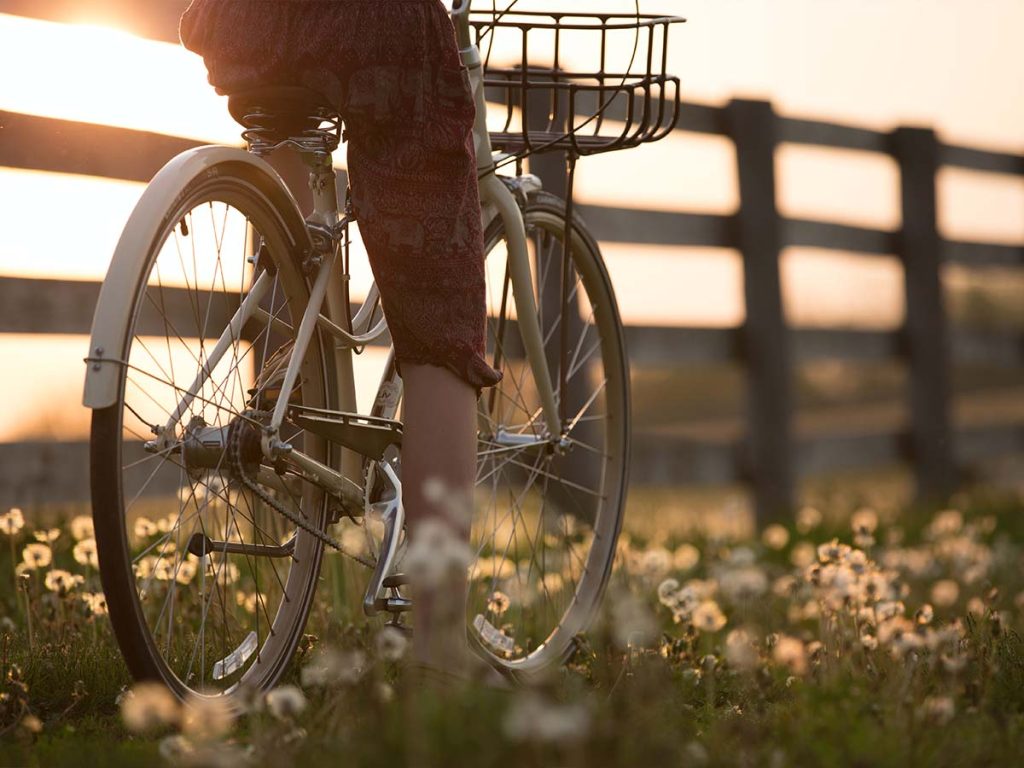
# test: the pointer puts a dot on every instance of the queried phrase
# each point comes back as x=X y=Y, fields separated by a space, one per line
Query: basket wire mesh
x=579 y=102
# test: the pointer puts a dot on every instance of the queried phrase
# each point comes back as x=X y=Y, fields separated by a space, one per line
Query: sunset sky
x=956 y=65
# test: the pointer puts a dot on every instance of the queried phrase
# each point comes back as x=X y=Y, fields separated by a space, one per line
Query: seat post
x=324 y=186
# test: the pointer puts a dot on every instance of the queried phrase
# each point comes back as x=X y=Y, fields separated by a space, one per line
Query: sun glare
x=100 y=74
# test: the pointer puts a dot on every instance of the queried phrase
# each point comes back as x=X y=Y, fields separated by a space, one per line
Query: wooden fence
x=768 y=458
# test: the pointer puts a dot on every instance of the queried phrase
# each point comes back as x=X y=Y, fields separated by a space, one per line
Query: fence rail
x=772 y=454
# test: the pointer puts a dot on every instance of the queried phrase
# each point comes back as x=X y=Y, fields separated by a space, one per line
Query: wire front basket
x=606 y=86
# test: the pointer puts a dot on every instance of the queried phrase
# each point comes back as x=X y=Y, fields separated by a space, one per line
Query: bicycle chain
x=237 y=464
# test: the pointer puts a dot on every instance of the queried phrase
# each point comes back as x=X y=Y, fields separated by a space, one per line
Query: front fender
x=131 y=261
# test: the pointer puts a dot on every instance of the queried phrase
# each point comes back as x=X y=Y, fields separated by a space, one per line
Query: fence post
x=769 y=454
x=917 y=152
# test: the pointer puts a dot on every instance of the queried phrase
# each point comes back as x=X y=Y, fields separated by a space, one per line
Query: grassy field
x=856 y=636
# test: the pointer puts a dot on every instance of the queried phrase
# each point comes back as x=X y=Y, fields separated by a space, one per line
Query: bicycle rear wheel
x=208 y=585
x=545 y=524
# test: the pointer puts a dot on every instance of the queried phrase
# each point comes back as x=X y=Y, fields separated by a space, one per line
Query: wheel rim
x=215 y=622
x=546 y=525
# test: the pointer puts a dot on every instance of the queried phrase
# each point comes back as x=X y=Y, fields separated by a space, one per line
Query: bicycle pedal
x=395 y=604
x=396 y=581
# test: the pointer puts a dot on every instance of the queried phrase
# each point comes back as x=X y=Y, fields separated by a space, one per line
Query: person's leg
x=439 y=446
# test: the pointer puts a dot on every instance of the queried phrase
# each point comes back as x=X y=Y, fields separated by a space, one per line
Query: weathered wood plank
x=64 y=146
x=983 y=254
x=29 y=305
x=752 y=126
x=917 y=151
x=824 y=234
x=981 y=159
x=630 y=225
x=822 y=134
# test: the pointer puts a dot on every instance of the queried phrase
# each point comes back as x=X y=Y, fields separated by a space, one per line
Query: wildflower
x=498 y=603
x=205 y=718
x=667 y=592
x=654 y=563
x=531 y=718
x=868 y=642
x=775 y=537
x=744 y=583
x=924 y=614
x=144 y=528
x=48 y=536
x=976 y=606
x=436 y=552
x=329 y=666
x=81 y=527
x=85 y=553
x=286 y=702
x=391 y=644
x=864 y=520
x=833 y=552
x=939 y=709
x=807 y=519
x=708 y=617
x=176 y=749
x=12 y=521
x=96 y=602
x=185 y=571
x=802 y=554
x=685 y=557
x=148 y=706
x=31 y=723
x=790 y=652
x=633 y=624
x=36 y=556
x=61 y=581
x=739 y=650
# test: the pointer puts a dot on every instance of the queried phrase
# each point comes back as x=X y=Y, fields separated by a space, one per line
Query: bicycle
x=225 y=442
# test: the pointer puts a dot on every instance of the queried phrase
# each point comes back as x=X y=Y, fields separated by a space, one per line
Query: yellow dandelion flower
x=81 y=527
x=47 y=536
x=61 y=581
x=37 y=555
x=12 y=521
x=144 y=528
x=85 y=553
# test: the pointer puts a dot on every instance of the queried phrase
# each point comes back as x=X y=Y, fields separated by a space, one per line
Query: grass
x=715 y=648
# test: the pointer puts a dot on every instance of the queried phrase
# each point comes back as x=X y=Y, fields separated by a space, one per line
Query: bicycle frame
x=326 y=310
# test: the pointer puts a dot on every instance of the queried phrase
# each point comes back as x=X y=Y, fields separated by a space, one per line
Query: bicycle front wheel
x=547 y=517
x=208 y=584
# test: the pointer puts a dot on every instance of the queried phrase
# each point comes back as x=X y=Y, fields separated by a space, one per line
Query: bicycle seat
x=281 y=111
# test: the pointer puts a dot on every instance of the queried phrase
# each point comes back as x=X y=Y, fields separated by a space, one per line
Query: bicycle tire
x=248 y=197
x=500 y=644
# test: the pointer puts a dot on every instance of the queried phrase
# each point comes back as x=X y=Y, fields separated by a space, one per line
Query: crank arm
x=201 y=545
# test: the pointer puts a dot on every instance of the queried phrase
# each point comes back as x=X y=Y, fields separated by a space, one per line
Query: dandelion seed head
x=807 y=519
x=85 y=553
x=391 y=644
x=81 y=527
x=206 y=718
x=145 y=528
x=148 y=706
x=36 y=555
x=286 y=702
x=48 y=536
x=95 y=602
x=708 y=617
x=685 y=557
x=12 y=521
x=498 y=603
x=939 y=710
x=775 y=537
x=790 y=652
x=60 y=581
